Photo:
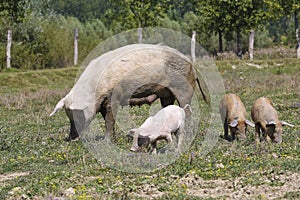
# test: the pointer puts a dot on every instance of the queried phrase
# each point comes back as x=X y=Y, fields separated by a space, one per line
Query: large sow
x=131 y=75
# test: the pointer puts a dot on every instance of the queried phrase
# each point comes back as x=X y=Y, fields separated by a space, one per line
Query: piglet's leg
x=153 y=150
x=225 y=125
x=179 y=137
x=135 y=146
x=169 y=140
x=257 y=133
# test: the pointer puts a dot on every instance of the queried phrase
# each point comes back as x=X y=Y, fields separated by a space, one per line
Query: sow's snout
x=77 y=121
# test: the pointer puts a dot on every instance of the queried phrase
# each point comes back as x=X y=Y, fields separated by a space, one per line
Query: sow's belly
x=145 y=94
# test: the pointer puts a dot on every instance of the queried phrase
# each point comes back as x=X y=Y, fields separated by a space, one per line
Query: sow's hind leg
x=166 y=101
x=184 y=96
x=180 y=133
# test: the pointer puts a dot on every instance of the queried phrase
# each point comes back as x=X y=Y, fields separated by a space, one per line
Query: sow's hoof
x=68 y=139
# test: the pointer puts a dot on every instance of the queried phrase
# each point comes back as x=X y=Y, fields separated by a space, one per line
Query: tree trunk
x=220 y=41
x=8 y=48
x=193 y=46
x=140 y=35
x=251 y=44
x=238 y=43
x=297 y=34
x=76 y=46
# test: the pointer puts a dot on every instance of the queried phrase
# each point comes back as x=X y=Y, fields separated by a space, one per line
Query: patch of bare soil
x=7 y=177
x=234 y=189
x=148 y=191
x=229 y=189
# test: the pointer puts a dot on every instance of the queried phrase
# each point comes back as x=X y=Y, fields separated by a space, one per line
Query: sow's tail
x=58 y=106
x=204 y=94
x=188 y=105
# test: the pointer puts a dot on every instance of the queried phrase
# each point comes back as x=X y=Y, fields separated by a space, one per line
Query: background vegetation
x=43 y=29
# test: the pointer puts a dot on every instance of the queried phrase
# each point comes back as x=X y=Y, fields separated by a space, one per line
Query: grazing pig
x=266 y=121
x=134 y=74
x=168 y=120
x=233 y=114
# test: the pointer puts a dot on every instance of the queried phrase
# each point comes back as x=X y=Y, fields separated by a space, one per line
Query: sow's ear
x=131 y=132
x=58 y=106
x=286 y=124
x=249 y=123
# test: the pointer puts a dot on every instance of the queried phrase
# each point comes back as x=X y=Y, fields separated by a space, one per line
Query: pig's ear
x=143 y=140
x=286 y=124
x=131 y=132
x=234 y=123
x=270 y=123
x=250 y=123
x=58 y=106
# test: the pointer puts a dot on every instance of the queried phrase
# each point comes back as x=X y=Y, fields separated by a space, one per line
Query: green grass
x=33 y=143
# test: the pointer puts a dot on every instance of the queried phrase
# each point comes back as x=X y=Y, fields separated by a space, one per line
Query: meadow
x=37 y=163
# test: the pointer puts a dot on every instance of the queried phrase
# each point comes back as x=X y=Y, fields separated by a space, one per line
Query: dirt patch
x=235 y=189
x=7 y=177
x=227 y=189
x=148 y=191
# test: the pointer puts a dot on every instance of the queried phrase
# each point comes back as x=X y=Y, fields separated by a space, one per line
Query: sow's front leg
x=77 y=123
x=73 y=132
x=109 y=122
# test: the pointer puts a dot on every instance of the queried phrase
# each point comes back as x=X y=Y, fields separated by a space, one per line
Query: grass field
x=36 y=162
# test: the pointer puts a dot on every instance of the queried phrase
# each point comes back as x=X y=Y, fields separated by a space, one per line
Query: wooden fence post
x=298 y=43
x=251 y=44
x=76 y=46
x=297 y=35
x=8 y=49
x=193 y=46
x=140 y=35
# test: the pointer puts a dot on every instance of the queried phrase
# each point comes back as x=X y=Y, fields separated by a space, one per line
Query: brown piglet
x=233 y=114
x=266 y=121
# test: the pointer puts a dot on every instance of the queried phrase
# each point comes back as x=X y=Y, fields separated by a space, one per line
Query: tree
x=178 y=8
x=227 y=16
x=13 y=10
x=292 y=7
x=84 y=10
x=138 y=13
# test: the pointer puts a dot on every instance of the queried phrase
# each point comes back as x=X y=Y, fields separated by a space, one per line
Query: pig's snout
x=277 y=139
x=134 y=149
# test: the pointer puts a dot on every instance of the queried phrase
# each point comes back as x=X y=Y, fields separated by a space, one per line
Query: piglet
x=168 y=120
x=233 y=115
x=266 y=121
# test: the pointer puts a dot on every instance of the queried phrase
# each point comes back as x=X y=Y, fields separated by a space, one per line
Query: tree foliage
x=43 y=29
x=139 y=13
x=13 y=11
